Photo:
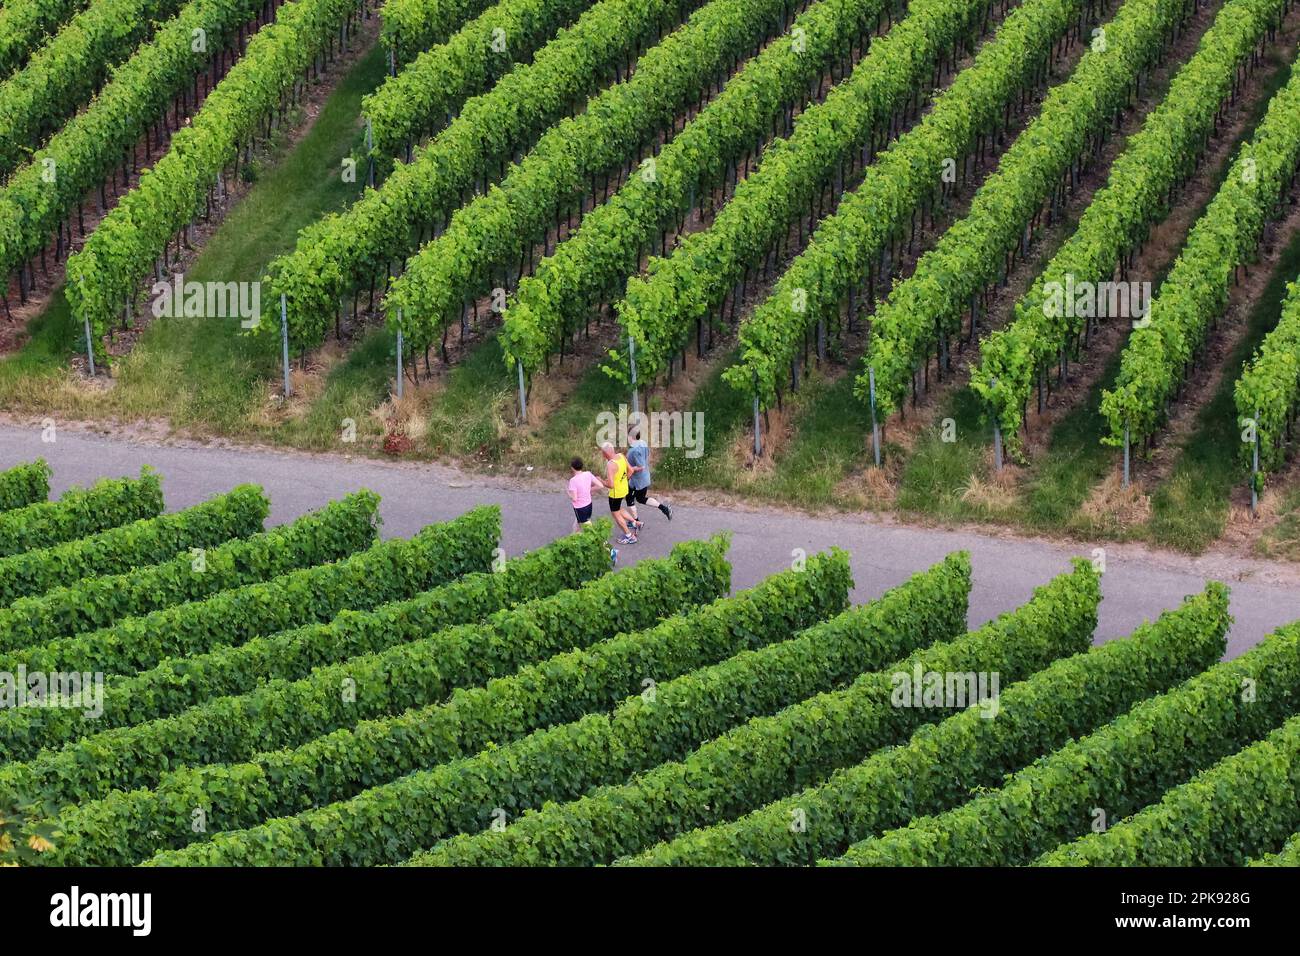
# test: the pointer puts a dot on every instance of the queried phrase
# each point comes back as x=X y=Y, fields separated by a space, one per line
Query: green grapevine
x=1155 y=161
x=1195 y=293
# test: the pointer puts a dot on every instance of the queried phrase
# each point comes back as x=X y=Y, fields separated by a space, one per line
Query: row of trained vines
x=212 y=689
x=412 y=26
x=1162 y=352
x=25 y=484
x=103 y=276
x=25 y=24
x=1068 y=698
x=423 y=97
x=619 y=128
x=1143 y=181
x=66 y=72
x=1267 y=394
x=345 y=253
x=925 y=313
x=1121 y=767
x=311 y=695
x=589 y=268
x=394 y=743
x=856 y=249
x=43 y=194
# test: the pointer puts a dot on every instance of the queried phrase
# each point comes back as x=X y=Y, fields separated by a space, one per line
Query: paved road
x=1138 y=583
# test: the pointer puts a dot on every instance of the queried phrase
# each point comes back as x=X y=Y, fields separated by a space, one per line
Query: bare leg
x=656 y=503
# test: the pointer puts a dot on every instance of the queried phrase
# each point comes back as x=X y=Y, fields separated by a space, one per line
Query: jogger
x=580 y=486
x=616 y=478
x=638 y=459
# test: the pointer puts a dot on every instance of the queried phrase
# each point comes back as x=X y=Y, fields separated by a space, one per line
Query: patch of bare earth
x=878 y=487
x=778 y=432
x=307 y=380
x=1259 y=533
x=1111 y=505
x=403 y=420
x=994 y=492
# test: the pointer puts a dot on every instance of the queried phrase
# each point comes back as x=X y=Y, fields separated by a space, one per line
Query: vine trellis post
x=400 y=343
x=370 y=153
x=90 y=342
x=875 y=425
x=631 y=359
x=284 y=341
x=523 y=392
x=1254 y=467
x=997 y=435
x=1126 y=455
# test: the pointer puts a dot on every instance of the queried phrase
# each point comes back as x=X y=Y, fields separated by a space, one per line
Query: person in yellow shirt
x=616 y=475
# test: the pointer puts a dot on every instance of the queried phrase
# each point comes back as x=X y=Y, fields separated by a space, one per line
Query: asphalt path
x=1138 y=582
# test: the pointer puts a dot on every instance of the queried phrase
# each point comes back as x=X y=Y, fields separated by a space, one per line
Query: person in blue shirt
x=638 y=460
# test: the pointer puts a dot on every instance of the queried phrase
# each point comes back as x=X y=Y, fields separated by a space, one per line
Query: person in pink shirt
x=580 y=486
